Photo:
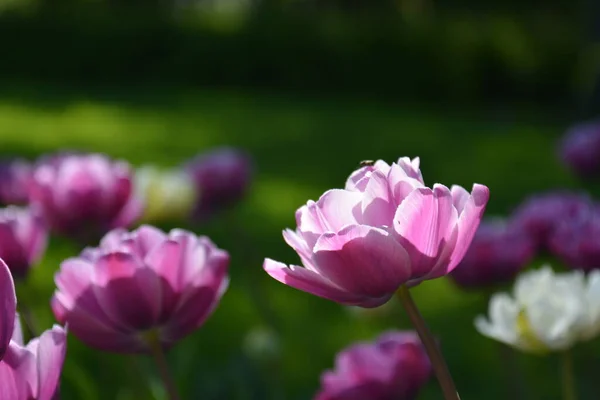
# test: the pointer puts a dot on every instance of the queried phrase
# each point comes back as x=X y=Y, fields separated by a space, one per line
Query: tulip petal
x=503 y=313
x=8 y=307
x=363 y=260
x=313 y=283
x=51 y=350
x=18 y=374
x=377 y=206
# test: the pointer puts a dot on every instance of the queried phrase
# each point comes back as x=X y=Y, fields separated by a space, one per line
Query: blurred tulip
x=8 y=308
x=547 y=311
x=23 y=239
x=15 y=176
x=32 y=372
x=538 y=215
x=140 y=287
x=576 y=240
x=497 y=254
x=580 y=149
x=222 y=177
x=168 y=195
x=385 y=230
x=394 y=367
x=84 y=195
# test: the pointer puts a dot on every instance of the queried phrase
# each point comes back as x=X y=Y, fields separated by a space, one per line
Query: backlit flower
x=580 y=149
x=15 y=176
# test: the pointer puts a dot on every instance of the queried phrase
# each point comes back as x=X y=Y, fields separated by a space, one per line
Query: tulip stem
x=437 y=359
x=163 y=367
x=569 y=392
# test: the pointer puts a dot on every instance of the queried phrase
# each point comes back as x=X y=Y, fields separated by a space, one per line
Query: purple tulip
x=23 y=239
x=394 y=367
x=385 y=230
x=576 y=240
x=538 y=215
x=32 y=372
x=496 y=255
x=15 y=176
x=84 y=195
x=140 y=284
x=580 y=149
x=8 y=308
x=222 y=177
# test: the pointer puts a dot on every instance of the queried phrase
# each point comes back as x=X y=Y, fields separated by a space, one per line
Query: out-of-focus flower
x=538 y=215
x=497 y=254
x=576 y=240
x=14 y=181
x=140 y=287
x=580 y=149
x=84 y=195
x=32 y=372
x=168 y=195
x=8 y=307
x=394 y=367
x=547 y=311
x=29 y=372
x=23 y=239
x=222 y=177
x=385 y=230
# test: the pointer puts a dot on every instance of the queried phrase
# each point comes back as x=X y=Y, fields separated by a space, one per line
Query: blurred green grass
x=302 y=147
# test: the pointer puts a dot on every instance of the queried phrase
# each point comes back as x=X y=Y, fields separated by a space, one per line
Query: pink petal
x=377 y=205
x=338 y=209
x=313 y=283
x=411 y=168
x=8 y=307
x=129 y=293
x=296 y=241
x=401 y=183
x=166 y=261
x=358 y=180
x=363 y=260
x=51 y=351
x=424 y=223
x=18 y=374
x=468 y=222
x=459 y=197
x=17 y=335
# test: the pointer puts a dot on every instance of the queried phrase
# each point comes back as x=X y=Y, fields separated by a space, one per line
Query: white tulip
x=167 y=194
x=547 y=312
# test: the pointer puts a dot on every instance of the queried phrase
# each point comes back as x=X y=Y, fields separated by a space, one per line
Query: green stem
x=568 y=378
x=163 y=367
x=437 y=359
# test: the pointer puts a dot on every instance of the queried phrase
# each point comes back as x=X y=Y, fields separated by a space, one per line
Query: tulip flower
x=23 y=239
x=576 y=240
x=140 y=288
x=497 y=254
x=84 y=195
x=580 y=149
x=168 y=195
x=30 y=372
x=15 y=176
x=385 y=230
x=394 y=367
x=546 y=312
x=222 y=177
x=8 y=307
x=539 y=214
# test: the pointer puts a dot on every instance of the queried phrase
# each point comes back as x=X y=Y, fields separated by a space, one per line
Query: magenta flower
x=538 y=215
x=8 y=308
x=32 y=372
x=84 y=196
x=15 y=176
x=576 y=240
x=23 y=239
x=580 y=149
x=222 y=177
x=140 y=285
x=395 y=367
x=497 y=254
x=385 y=230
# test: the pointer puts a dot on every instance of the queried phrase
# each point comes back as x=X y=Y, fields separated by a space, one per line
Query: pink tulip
x=386 y=229
x=15 y=176
x=396 y=367
x=84 y=195
x=8 y=308
x=32 y=372
x=140 y=284
x=23 y=239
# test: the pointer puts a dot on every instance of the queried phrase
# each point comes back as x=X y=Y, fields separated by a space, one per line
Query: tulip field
x=234 y=326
